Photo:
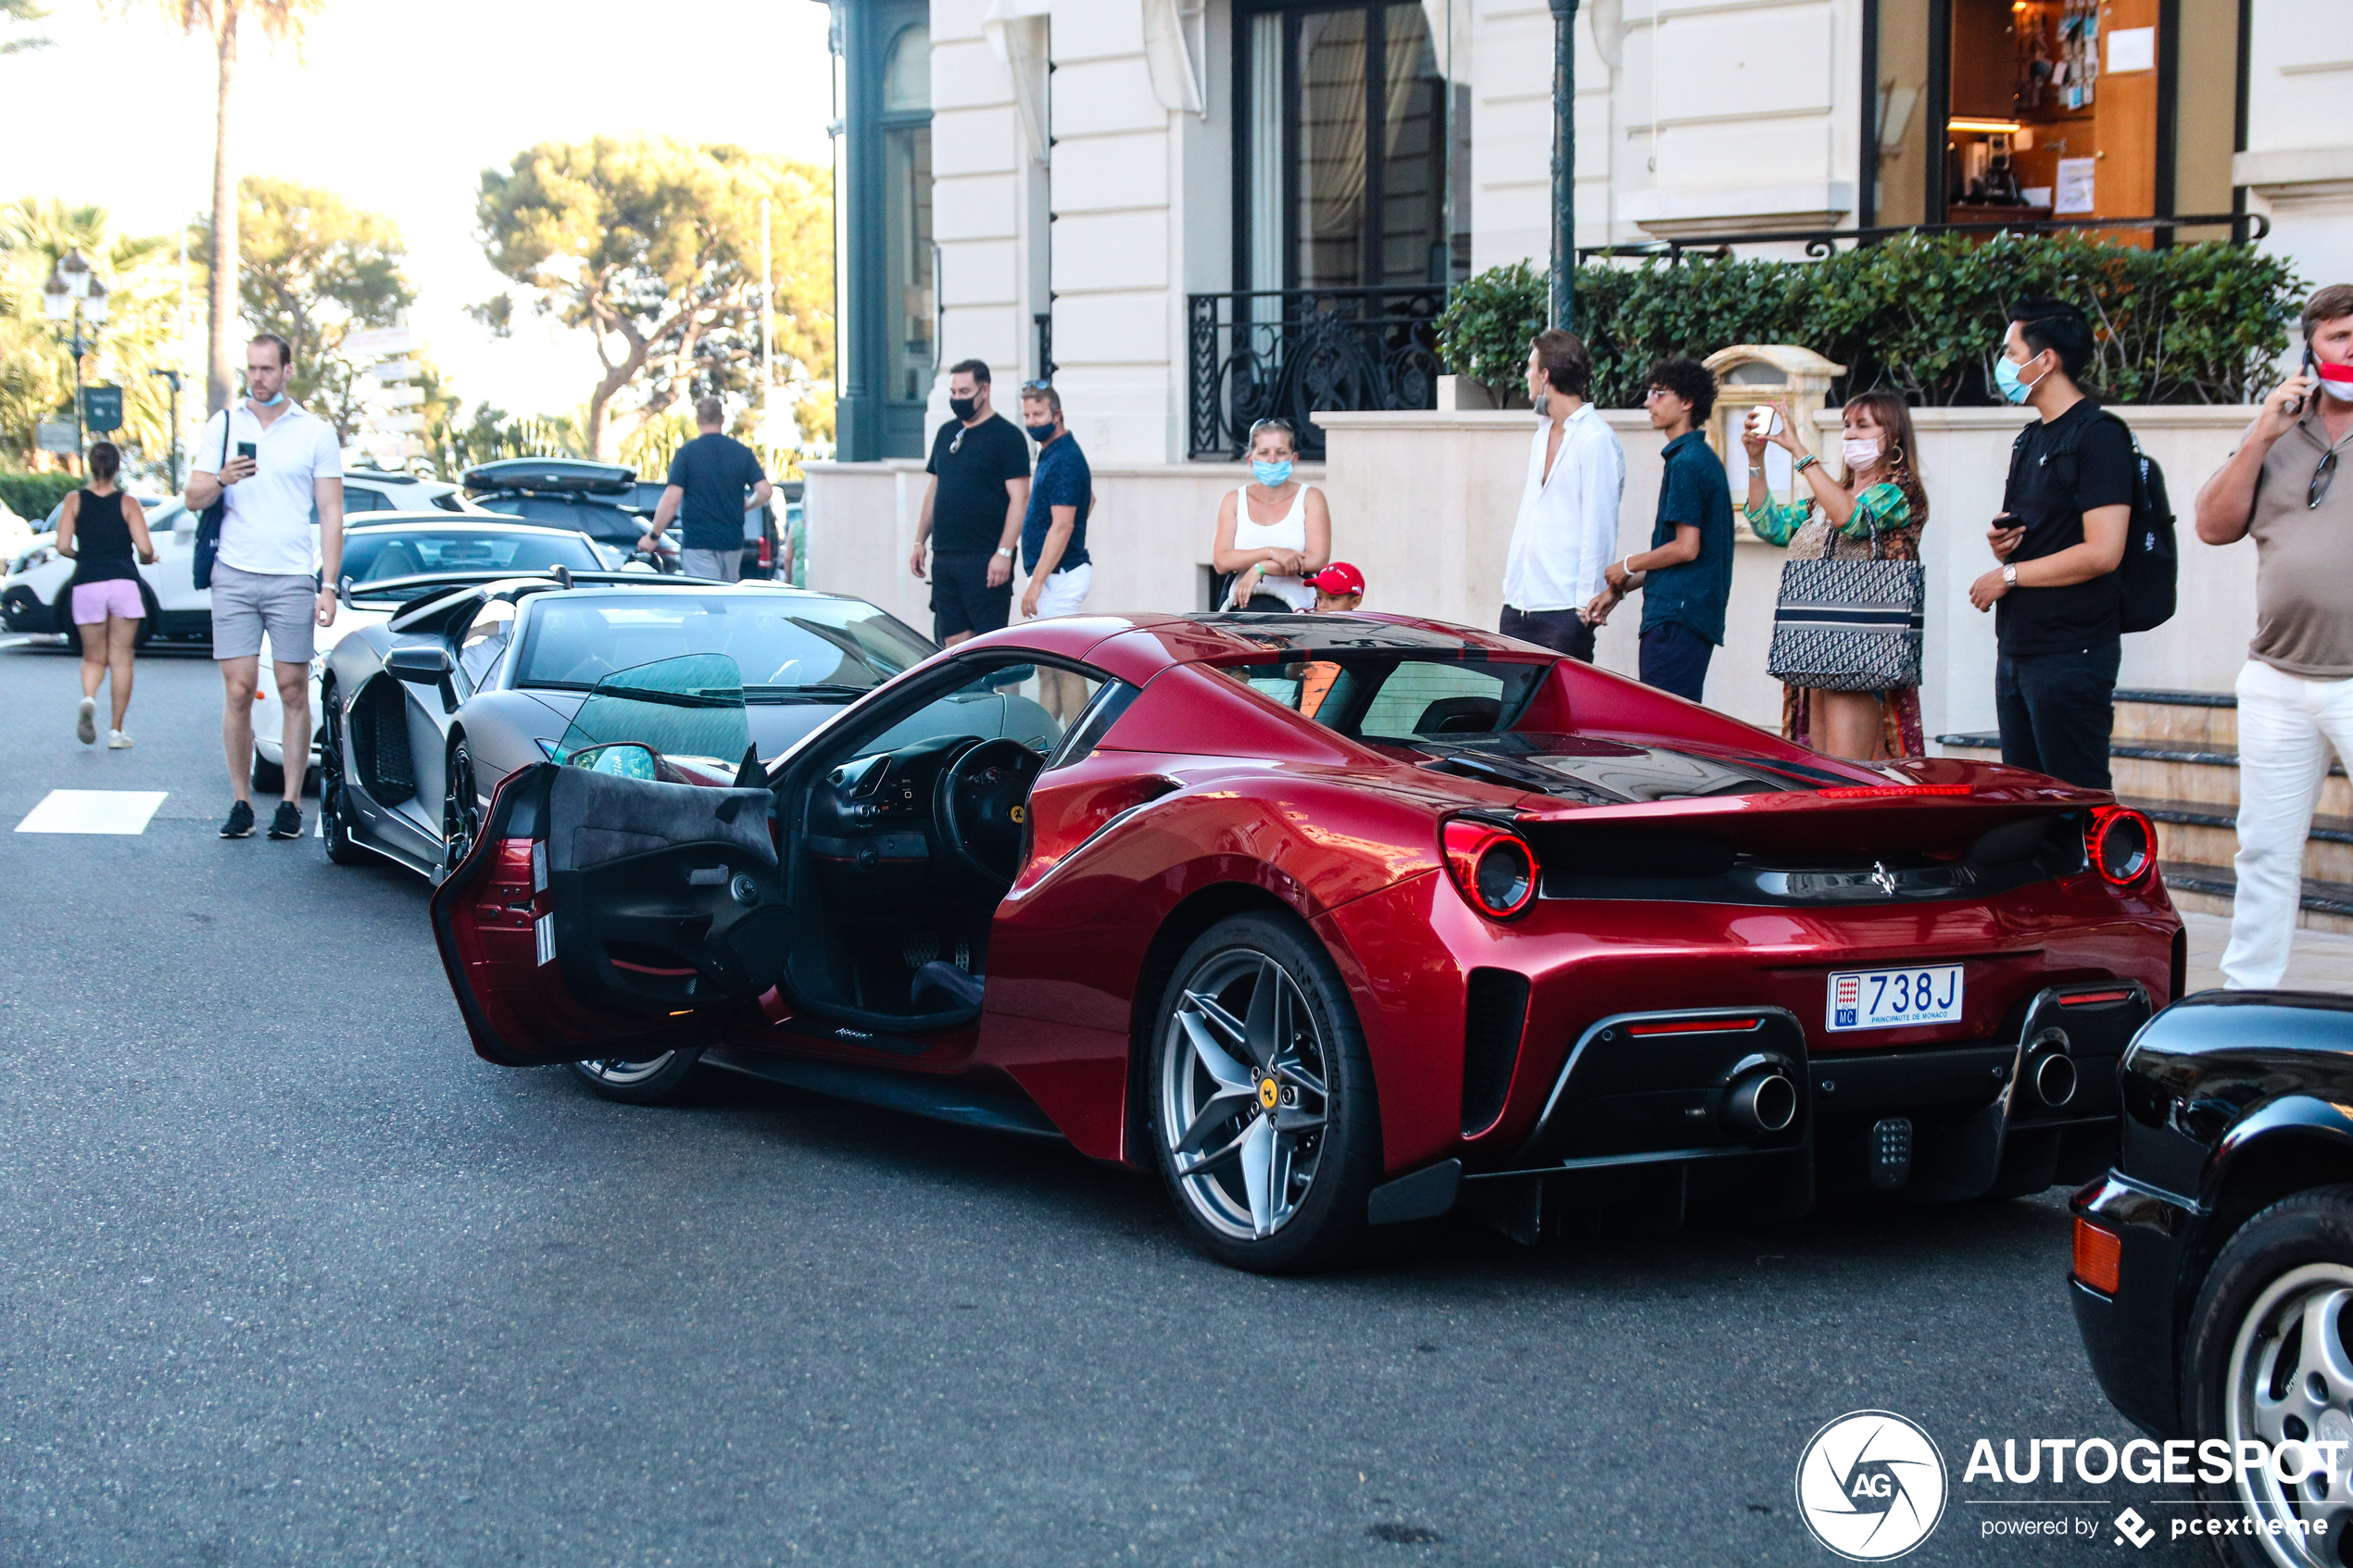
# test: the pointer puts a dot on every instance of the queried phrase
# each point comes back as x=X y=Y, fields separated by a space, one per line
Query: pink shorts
x=92 y=602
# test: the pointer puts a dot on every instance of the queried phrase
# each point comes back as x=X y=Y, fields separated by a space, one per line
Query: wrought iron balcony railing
x=1285 y=353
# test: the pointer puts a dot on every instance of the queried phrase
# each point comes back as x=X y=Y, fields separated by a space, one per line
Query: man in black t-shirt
x=972 y=510
x=2066 y=512
x=707 y=487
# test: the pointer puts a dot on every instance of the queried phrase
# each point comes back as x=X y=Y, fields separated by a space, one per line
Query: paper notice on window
x=2132 y=48
x=2073 y=195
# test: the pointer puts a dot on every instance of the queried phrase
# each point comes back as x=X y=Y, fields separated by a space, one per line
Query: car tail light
x=767 y=552
x=1492 y=865
x=1886 y=792
x=2122 y=845
x=2099 y=1256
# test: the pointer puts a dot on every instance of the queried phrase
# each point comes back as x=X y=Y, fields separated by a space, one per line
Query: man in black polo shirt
x=709 y=479
x=2066 y=515
x=972 y=510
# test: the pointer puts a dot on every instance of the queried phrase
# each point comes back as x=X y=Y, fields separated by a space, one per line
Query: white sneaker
x=118 y=741
x=85 y=724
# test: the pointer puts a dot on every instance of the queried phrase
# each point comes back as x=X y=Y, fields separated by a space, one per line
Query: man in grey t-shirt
x=2282 y=488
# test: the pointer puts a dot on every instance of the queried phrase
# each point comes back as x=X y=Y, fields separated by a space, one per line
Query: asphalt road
x=288 y=1276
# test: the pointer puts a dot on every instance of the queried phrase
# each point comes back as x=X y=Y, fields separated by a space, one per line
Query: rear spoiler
x=1837 y=823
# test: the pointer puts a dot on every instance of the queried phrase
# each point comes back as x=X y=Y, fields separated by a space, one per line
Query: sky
x=399 y=107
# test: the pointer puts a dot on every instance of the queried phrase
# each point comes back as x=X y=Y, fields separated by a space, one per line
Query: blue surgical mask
x=270 y=402
x=2005 y=378
x=1272 y=475
x=1040 y=434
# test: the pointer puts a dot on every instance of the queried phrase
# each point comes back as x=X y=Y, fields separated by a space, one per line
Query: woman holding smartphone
x=98 y=531
x=1876 y=512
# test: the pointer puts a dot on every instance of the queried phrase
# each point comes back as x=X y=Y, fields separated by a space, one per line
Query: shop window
x=907 y=231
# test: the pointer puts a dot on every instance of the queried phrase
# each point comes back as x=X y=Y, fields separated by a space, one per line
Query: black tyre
x=269 y=778
x=2269 y=1358
x=1261 y=1104
x=654 y=1081
x=334 y=802
x=461 y=807
x=62 y=621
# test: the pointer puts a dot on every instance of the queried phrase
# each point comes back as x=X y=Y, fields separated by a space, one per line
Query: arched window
x=907 y=76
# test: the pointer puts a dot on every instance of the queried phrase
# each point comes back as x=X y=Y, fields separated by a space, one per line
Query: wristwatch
x=2010 y=575
x=1006 y=551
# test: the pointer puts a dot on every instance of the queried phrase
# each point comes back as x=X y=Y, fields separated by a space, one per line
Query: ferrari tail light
x=2122 y=845
x=2099 y=1256
x=1492 y=865
x=767 y=551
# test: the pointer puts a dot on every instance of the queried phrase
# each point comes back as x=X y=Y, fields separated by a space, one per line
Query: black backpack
x=2151 y=561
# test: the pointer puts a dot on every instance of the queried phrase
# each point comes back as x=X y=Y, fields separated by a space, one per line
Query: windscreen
x=690 y=708
x=1398 y=696
x=377 y=555
x=783 y=643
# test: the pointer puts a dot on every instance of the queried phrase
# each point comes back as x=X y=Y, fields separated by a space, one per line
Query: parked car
x=179 y=611
x=2213 y=1267
x=602 y=500
x=428 y=711
x=1342 y=921
x=389 y=559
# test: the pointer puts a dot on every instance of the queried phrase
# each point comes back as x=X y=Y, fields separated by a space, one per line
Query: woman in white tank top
x=1275 y=531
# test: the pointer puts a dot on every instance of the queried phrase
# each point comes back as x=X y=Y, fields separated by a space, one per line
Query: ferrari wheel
x=2271 y=1361
x=460 y=808
x=334 y=803
x=1264 y=1114
x=656 y=1081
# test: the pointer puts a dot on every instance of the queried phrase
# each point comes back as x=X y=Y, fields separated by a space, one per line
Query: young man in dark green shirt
x=1686 y=575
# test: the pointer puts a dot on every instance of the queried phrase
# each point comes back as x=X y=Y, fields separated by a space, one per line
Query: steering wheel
x=980 y=804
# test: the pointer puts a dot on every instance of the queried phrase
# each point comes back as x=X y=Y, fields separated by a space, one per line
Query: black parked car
x=2213 y=1273
x=602 y=500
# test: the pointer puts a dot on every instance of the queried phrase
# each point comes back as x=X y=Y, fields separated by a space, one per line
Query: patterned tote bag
x=1849 y=625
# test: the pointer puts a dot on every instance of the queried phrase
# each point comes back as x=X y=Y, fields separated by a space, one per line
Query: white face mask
x=1860 y=451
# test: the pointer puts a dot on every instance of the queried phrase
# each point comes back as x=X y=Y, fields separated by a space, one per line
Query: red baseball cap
x=1337 y=578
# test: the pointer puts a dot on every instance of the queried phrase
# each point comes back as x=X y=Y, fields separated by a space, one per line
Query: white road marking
x=94 y=810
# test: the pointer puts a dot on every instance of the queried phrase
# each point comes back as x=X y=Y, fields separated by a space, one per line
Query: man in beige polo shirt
x=2284 y=486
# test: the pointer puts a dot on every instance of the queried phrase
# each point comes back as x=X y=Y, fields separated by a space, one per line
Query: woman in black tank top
x=104 y=533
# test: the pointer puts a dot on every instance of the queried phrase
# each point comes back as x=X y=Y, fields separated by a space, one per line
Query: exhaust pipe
x=1761 y=1103
x=2053 y=1079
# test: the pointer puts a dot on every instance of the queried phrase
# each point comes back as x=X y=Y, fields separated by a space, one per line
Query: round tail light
x=1492 y=865
x=2123 y=845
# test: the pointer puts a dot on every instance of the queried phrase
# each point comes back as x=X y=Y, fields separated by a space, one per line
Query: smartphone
x=1764 y=421
x=2294 y=406
x=248 y=449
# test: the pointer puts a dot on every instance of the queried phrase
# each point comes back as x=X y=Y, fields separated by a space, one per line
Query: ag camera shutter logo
x=1870 y=1486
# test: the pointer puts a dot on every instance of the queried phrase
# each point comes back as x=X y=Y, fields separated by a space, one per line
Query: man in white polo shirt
x=275 y=572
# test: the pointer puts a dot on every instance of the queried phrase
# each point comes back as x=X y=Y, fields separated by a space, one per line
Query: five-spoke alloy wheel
x=1262 y=1098
x=2271 y=1361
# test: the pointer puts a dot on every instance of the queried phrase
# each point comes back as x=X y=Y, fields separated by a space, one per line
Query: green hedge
x=1922 y=314
x=31 y=496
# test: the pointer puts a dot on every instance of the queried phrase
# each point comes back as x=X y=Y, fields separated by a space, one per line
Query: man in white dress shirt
x=1567 y=529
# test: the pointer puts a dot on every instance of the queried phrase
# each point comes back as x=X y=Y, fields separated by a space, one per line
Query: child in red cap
x=1340 y=588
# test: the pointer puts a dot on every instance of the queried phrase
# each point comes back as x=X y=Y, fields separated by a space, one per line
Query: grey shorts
x=244 y=604
x=726 y=566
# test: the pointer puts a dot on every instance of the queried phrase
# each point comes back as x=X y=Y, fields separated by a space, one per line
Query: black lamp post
x=173 y=377
x=1564 y=300
x=74 y=294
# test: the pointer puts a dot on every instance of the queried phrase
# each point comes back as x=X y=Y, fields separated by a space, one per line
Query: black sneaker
x=240 y=822
x=287 y=823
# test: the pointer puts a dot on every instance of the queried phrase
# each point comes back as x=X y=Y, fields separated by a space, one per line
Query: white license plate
x=1889 y=999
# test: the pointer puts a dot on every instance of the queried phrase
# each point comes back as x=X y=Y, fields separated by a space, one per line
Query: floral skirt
x=1899 y=720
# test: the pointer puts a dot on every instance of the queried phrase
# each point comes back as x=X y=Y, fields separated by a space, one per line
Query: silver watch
x=1006 y=551
x=2010 y=575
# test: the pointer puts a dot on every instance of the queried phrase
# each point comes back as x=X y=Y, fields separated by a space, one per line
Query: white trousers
x=2288 y=726
x=1065 y=591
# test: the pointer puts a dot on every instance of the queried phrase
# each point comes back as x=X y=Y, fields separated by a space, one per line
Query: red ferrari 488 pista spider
x=1336 y=922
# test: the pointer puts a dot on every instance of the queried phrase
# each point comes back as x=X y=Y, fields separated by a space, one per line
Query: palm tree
x=21 y=11
x=219 y=20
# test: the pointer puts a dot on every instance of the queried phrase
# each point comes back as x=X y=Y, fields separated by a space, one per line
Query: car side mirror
x=628 y=759
x=425 y=666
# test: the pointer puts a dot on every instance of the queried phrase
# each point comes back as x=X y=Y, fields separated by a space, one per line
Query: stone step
x=2201 y=719
x=2209 y=889
x=2206 y=775
x=2198 y=834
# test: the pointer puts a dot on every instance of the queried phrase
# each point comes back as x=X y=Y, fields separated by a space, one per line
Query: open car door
x=624 y=890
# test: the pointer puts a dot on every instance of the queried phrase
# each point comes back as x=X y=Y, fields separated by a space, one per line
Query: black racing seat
x=1460 y=716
